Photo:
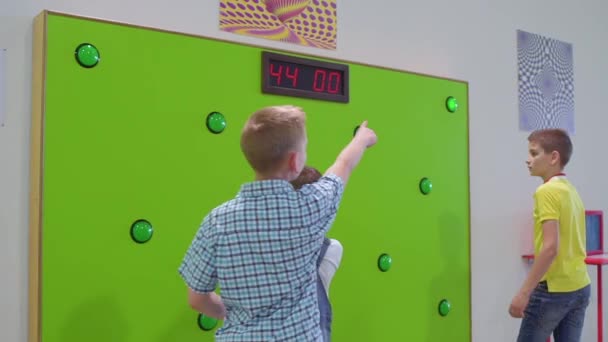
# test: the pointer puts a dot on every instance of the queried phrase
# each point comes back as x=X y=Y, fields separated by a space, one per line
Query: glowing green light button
x=444 y=307
x=87 y=55
x=206 y=323
x=451 y=104
x=216 y=123
x=426 y=186
x=384 y=262
x=141 y=231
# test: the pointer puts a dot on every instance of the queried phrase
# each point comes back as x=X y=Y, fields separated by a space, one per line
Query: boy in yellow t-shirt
x=555 y=295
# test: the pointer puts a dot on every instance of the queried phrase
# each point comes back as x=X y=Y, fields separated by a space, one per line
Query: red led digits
x=277 y=73
x=305 y=77
x=302 y=77
x=293 y=77
x=337 y=78
x=320 y=75
x=323 y=83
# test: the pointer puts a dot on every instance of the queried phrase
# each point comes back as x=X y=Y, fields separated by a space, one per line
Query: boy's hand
x=351 y=155
x=518 y=305
x=367 y=135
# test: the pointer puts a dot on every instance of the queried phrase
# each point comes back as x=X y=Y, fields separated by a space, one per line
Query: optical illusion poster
x=304 y=22
x=546 y=83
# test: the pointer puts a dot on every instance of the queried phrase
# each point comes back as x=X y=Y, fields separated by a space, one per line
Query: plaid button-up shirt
x=261 y=249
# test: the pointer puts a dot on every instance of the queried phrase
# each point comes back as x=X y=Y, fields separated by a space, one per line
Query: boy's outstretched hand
x=366 y=134
x=351 y=155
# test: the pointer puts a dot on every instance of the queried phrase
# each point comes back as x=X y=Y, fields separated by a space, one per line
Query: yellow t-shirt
x=557 y=199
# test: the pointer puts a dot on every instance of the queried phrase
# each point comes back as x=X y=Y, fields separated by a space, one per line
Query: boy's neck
x=273 y=176
x=559 y=172
x=263 y=178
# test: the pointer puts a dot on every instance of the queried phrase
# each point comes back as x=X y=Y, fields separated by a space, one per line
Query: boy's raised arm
x=351 y=155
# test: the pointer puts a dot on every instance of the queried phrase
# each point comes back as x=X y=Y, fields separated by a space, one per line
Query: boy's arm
x=351 y=155
x=209 y=304
x=545 y=257
x=199 y=272
x=542 y=262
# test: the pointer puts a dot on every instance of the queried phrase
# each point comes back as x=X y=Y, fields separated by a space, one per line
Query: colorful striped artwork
x=303 y=22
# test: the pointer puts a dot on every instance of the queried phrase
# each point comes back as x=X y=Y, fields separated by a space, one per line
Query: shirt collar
x=557 y=176
x=265 y=187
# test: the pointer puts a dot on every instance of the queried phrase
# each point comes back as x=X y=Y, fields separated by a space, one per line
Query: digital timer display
x=301 y=77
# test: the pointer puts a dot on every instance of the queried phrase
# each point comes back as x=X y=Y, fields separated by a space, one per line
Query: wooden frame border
x=36 y=165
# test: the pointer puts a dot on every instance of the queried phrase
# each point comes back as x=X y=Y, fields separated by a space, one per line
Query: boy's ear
x=555 y=157
x=292 y=161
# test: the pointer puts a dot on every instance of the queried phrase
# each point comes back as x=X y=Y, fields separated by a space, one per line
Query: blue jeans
x=562 y=313
x=324 y=305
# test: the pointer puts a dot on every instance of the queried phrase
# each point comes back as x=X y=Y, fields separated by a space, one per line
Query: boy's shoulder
x=555 y=184
x=225 y=207
x=556 y=188
x=328 y=189
x=333 y=178
x=326 y=181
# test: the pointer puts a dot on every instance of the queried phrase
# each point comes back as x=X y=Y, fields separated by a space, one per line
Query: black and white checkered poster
x=546 y=83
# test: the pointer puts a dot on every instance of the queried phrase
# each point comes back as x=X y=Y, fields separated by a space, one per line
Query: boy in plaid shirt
x=261 y=247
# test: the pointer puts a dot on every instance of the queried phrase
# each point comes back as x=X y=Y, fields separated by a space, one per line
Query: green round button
x=384 y=262
x=451 y=104
x=87 y=55
x=216 y=123
x=444 y=307
x=141 y=231
x=206 y=323
x=426 y=186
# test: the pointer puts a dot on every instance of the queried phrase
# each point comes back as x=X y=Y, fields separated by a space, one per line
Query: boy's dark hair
x=307 y=176
x=553 y=139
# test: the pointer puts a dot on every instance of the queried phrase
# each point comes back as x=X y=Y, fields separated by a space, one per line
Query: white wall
x=467 y=40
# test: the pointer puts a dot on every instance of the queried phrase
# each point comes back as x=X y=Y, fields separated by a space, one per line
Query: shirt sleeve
x=548 y=204
x=322 y=200
x=198 y=267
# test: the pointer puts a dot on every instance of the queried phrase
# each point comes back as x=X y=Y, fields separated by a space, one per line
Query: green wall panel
x=126 y=140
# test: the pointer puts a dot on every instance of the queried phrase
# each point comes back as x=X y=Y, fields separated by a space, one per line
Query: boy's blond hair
x=270 y=134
